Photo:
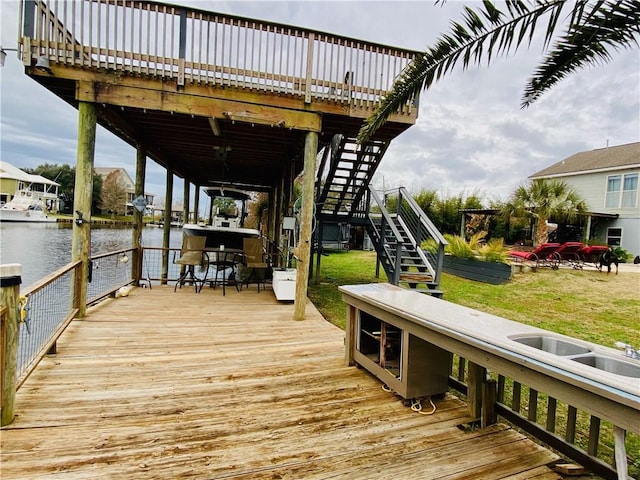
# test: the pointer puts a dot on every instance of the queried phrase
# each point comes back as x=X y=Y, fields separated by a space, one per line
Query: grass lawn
x=584 y=304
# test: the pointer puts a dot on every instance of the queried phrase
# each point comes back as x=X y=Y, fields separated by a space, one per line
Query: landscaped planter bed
x=488 y=272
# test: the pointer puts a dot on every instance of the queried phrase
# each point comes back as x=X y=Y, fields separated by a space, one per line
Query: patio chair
x=592 y=253
x=192 y=255
x=568 y=253
x=542 y=255
x=255 y=261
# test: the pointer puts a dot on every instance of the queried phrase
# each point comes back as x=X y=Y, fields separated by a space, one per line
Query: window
x=622 y=191
x=614 y=237
x=629 y=191
x=613 y=191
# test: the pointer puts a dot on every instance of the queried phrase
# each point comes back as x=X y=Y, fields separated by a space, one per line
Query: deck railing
x=190 y=45
x=47 y=308
x=109 y=272
x=574 y=433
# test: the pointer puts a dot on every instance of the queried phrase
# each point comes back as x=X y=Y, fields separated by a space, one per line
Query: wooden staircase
x=344 y=175
x=344 y=195
x=397 y=237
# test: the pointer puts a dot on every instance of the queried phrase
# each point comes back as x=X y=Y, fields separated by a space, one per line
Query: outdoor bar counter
x=596 y=379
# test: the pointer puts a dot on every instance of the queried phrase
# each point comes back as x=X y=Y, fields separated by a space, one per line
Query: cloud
x=471 y=134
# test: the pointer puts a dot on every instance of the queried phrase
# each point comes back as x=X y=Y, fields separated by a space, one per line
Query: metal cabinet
x=409 y=365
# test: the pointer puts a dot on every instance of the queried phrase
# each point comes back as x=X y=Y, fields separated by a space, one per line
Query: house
x=607 y=179
x=127 y=183
x=13 y=179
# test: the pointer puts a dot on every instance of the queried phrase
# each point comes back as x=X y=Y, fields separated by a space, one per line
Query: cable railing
x=196 y=46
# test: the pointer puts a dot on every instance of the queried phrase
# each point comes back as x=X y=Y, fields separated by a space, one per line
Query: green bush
x=474 y=249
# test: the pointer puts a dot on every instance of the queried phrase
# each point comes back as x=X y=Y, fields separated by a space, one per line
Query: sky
x=471 y=136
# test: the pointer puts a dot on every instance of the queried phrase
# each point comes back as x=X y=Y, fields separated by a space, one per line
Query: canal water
x=42 y=248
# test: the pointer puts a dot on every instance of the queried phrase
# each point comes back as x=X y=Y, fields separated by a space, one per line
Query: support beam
x=196 y=205
x=186 y=200
x=83 y=193
x=180 y=102
x=304 y=248
x=141 y=168
x=166 y=226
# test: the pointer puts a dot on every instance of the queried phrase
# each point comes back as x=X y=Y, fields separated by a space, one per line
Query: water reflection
x=45 y=247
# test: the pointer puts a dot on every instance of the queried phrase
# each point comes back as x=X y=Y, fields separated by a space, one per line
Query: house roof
x=14 y=173
x=601 y=159
x=105 y=171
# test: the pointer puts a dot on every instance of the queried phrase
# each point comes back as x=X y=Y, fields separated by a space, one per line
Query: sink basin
x=611 y=365
x=551 y=344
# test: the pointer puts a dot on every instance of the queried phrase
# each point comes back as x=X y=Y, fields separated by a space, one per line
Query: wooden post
x=196 y=205
x=319 y=234
x=166 y=227
x=141 y=165
x=489 y=395
x=475 y=381
x=350 y=335
x=304 y=249
x=83 y=193
x=10 y=279
x=186 y=200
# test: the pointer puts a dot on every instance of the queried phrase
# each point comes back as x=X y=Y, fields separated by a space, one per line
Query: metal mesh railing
x=47 y=308
x=109 y=272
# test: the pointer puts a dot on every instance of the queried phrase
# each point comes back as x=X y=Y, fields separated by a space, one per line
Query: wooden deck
x=175 y=385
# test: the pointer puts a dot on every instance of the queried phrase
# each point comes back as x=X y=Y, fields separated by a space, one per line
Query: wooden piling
x=166 y=227
x=10 y=279
x=141 y=168
x=304 y=248
x=83 y=193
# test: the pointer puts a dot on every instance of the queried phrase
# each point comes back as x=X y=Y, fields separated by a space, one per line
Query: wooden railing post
x=10 y=279
x=182 y=46
x=475 y=383
x=309 y=72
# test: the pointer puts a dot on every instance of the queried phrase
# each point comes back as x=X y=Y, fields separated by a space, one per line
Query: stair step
x=415 y=277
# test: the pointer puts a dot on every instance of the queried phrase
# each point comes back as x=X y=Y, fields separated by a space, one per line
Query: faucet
x=629 y=351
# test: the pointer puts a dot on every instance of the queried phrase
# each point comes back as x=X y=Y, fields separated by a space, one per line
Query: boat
x=28 y=206
x=226 y=219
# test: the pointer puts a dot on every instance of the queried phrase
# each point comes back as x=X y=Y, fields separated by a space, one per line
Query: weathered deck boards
x=177 y=385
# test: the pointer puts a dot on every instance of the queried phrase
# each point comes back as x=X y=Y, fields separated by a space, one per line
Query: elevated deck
x=212 y=97
x=164 y=385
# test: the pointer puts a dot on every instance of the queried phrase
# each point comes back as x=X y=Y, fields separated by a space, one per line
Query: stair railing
x=386 y=239
x=420 y=229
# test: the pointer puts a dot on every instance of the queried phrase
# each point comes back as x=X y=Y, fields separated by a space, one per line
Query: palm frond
x=609 y=25
x=478 y=36
x=593 y=29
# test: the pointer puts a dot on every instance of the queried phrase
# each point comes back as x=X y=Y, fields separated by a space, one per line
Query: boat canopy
x=227 y=192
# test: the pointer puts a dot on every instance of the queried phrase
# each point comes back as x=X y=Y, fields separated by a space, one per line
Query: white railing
x=188 y=45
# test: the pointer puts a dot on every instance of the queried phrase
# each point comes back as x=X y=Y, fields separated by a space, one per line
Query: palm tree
x=544 y=199
x=593 y=29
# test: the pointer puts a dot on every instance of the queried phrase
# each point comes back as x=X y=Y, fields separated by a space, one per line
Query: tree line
x=528 y=209
x=109 y=194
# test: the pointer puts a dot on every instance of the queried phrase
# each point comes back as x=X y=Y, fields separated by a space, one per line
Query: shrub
x=474 y=249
